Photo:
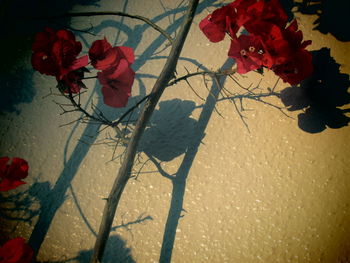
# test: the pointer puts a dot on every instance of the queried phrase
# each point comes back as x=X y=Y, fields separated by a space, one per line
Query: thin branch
x=126 y=167
x=77 y=105
x=117 y=13
x=115 y=123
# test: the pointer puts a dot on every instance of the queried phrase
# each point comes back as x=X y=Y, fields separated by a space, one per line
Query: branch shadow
x=116 y=252
x=58 y=194
x=321 y=96
x=172 y=133
x=333 y=16
x=20 y=206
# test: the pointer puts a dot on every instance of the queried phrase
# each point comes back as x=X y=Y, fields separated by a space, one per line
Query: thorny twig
x=117 y=13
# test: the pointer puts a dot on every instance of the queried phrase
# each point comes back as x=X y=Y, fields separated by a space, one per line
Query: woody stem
x=146 y=113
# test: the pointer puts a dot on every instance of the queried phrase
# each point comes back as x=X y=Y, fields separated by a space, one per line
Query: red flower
x=11 y=175
x=295 y=36
x=116 y=84
x=116 y=76
x=16 y=251
x=263 y=12
x=55 y=53
x=297 y=68
x=270 y=43
x=277 y=49
x=248 y=53
x=104 y=56
x=281 y=44
x=220 y=22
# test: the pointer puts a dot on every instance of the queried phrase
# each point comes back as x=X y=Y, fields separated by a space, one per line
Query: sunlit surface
x=222 y=190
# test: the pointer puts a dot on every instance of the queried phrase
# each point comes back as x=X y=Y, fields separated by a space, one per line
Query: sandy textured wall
x=220 y=191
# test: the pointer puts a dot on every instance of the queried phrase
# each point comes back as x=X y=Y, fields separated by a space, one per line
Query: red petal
x=110 y=59
x=44 y=64
x=79 y=63
x=116 y=92
x=65 y=34
x=3 y=164
x=211 y=30
x=18 y=169
x=44 y=39
x=128 y=53
x=6 y=184
x=115 y=72
x=99 y=48
x=16 y=251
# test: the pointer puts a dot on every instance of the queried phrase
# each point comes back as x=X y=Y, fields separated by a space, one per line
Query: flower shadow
x=171 y=130
x=116 y=252
x=321 y=96
x=332 y=16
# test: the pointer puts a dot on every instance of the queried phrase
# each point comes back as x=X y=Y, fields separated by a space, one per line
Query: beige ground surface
x=271 y=194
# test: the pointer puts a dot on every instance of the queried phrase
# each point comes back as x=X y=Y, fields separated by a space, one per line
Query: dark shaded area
x=320 y=96
x=333 y=16
x=17 y=206
x=288 y=6
x=116 y=252
x=15 y=76
x=15 y=88
x=18 y=28
x=171 y=130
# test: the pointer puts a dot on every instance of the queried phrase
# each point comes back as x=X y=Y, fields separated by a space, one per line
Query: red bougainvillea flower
x=55 y=53
x=270 y=43
x=104 y=56
x=277 y=48
x=116 y=76
x=262 y=12
x=248 y=53
x=220 y=22
x=295 y=37
x=281 y=44
x=116 y=85
x=12 y=173
x=296 y=68
x=16 y=251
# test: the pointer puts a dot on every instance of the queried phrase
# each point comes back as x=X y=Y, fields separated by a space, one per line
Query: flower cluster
x=116 y=75
x=55 y=53
x=271 y=42
x=12 y=173
x=16 y=251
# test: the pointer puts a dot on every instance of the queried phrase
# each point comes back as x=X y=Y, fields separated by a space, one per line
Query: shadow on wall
x=333 y=16
x=20 y=207
x=172 y=133
x=171 y=130
x=16 y=40
x=15 y=75
x=116 y=252
x=58 y=193
x=320 y=96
